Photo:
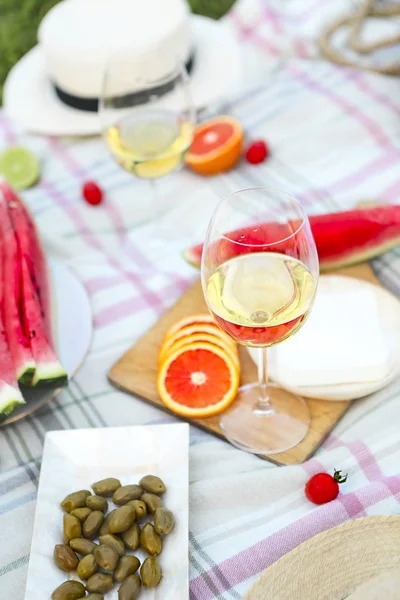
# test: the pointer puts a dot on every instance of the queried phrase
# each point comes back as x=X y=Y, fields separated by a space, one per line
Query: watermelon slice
x=19 y=345
x=10 y=398
x=342 y=239
x=10 y=395
x=29 y=243
x=48 y=368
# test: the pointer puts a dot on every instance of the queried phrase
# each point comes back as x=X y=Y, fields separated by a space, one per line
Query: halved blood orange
x=199 y=380
x=216 y=147
x=211 y=328
x=209 y=338
x=191 y=320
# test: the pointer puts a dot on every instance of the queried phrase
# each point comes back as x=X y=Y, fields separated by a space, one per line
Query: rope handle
x=369 y=8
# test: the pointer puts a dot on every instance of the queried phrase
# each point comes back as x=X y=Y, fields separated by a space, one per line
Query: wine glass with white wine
x=259 y=274
x=147 y=115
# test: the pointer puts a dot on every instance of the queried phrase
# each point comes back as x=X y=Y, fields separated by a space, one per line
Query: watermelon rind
x=10 y=398
x=26 y=374
x=51 y=374
x=359 y=256
x=192 y=257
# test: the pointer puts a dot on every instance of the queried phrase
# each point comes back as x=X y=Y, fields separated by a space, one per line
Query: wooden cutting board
x=136 y=373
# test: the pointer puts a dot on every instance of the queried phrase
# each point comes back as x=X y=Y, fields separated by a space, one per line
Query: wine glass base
x=266 y=432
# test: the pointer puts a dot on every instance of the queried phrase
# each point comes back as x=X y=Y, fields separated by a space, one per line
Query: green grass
x=19 y=20
x=211 y=8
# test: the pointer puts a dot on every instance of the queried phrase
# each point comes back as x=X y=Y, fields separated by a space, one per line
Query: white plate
x=389 y=312
x=73 y=333
x=72 y=460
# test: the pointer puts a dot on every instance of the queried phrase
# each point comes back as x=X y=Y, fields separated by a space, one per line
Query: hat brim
x=30 y=100
x=328 y=565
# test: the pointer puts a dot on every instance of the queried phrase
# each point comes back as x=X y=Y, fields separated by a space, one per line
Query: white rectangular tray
x=73 y=460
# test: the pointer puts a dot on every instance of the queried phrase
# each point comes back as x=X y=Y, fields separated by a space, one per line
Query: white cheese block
x=341 y=342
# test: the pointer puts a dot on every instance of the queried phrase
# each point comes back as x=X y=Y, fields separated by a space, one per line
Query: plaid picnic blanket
x=335 y=140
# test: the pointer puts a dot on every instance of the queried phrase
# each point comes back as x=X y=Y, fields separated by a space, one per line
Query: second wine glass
x=259 y=274
x=147 y=115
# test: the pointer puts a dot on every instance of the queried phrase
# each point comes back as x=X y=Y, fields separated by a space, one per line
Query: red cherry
x=257 y=152
x=92 y=193
x=323 y=488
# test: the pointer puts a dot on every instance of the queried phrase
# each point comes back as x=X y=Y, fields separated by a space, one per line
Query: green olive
x=139 y=507
x=92 y=524
x=114 y=542
x=150 y=540
x=124 y=494
x=122 y=519
x=127 y=565
x=131 y=537
x=65 y=558
x=106 y=557
x=105 y=528
x=97 y=503
x=153 y=484
x=106 y=487
x=87 y=567
x=75 y=500
x=164 y=521
x=152 y=502
x=82 y=546
x=151 y=572
x=94 y=597
x=72 y=527
x=100 y=583
x=69 y=590
x=130 y=588
x=81 y=513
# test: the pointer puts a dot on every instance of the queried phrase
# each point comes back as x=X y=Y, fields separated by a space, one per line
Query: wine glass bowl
x=259 y=276
x=148 y=120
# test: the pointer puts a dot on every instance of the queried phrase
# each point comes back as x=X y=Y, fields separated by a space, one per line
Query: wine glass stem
x=159 y=233
x=263 y=406
x=155 y=198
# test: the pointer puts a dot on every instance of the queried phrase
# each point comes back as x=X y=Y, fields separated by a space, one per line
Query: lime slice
x=19 y=167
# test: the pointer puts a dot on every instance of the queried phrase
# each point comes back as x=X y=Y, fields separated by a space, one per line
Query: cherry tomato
x=323 y=487
x=92 y=193
x=257 y=152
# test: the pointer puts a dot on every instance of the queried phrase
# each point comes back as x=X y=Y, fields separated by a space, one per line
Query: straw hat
x=334 y=564
x=385 y=586
x=54 y=88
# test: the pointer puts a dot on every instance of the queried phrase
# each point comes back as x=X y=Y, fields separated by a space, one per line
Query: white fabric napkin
x=341 y=342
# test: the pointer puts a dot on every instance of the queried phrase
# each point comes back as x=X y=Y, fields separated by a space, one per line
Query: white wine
x=261 y=298
x=151 y=143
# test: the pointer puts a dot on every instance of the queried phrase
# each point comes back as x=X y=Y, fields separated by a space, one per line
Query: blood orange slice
x=214 y=340
x=199 y=380
x=207 y=328
x=192 y=320
x=216 y=147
